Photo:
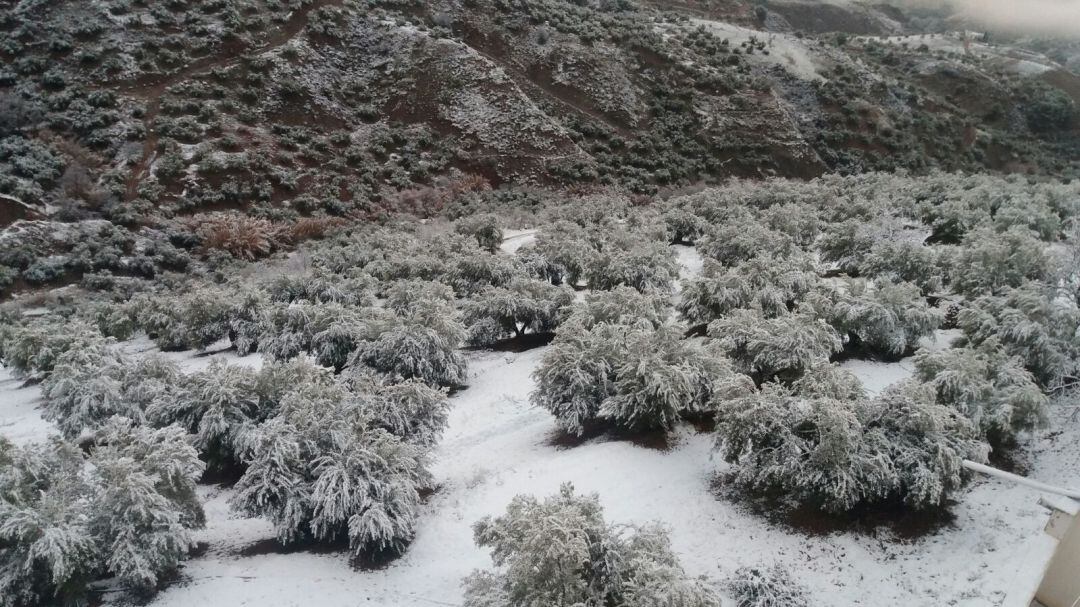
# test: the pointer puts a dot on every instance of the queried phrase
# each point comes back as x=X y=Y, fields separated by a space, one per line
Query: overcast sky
x=1039 y=17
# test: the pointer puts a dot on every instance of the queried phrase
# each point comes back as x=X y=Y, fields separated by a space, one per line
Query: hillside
x=130 y=109
x=541 y=303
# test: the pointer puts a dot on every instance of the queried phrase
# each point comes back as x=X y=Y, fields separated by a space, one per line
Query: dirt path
x=151 y=87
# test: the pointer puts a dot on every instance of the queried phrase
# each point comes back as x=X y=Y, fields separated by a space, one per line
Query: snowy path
x=515 y=239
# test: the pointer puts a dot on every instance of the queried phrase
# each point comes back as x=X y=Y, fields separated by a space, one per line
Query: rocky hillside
x=133 y=110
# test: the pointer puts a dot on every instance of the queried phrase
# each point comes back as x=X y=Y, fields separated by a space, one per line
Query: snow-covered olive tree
x=632 y=377
x=322 y=469
x=523 y=306
x=924 y=442
x=987 y=386
x=684 y=226
x=245 y=319
x=577 y=374
x=742 y=237
x=766 y=587
x=484 y=228
x=216 y=405
x=560 y=551
x=620 y=306
x=989 y=261
x=660 y=377
x=1032 y=323
x=838 y=454
x=403 y=295
x=68 y=518
x=32 y=349
x=647 y=267
x=90 y=385
x=899 y=260
x=769 y=284
x=422 y=344
x=565 y=248
x=770 y=347
x=408 y=409
x=886 y=319
x=473 y=271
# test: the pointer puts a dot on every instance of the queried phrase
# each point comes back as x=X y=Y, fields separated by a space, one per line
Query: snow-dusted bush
x=829 y=380
x=799 y=221
x=887 y=319
x=85 y=388
x=924 y=442
x=620 y=306
x=321 y=469
x=841 y=454
x=742 y=237
x=330 y=332
x=810 y=449
x=216 y=405
x=660 y=377
x=766 y=283
x=409 y=409
x=112 y=320
x=766 y=587
x=422 y=343
x=1032 y=323
x=566 y=249
x=403 y=295
x=647 y=267
x=847 y=243
x=317 y=287
x=577 y=374
x=987 y=386
x=287 y=330
x=903 y=261
x=474 y=271
x=415 y=350
x=204 y=317
x=33 y=349
x=988 y=261
x=560 y=551
x=47 y=552
x=484 y=228
x=160 y=318
x=146 y=500
x=523 y=306
x=67 y=519
x=684 y=226
x=782 y=346
x=245 y=319
x=632 y=377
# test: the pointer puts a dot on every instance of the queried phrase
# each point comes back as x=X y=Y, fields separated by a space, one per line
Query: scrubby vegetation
x=125 y=510
x=560 y=551
x=325 y=186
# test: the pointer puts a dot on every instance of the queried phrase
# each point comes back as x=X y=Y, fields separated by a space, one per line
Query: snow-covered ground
x=515 y=239
x=498 y=445
x=785 y=50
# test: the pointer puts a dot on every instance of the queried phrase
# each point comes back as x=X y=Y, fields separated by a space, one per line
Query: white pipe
x=1020 y=480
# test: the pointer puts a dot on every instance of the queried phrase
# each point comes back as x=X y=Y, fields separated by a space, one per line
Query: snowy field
x=498 y=445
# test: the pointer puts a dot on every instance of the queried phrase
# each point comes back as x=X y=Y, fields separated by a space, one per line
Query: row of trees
x=124 y=508
x=792 y=278
x=323 y=456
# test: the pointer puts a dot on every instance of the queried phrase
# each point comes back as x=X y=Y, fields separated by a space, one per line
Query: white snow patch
x=786 y=51
x=20 y=410
x=876 y=376
x=515 y=239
